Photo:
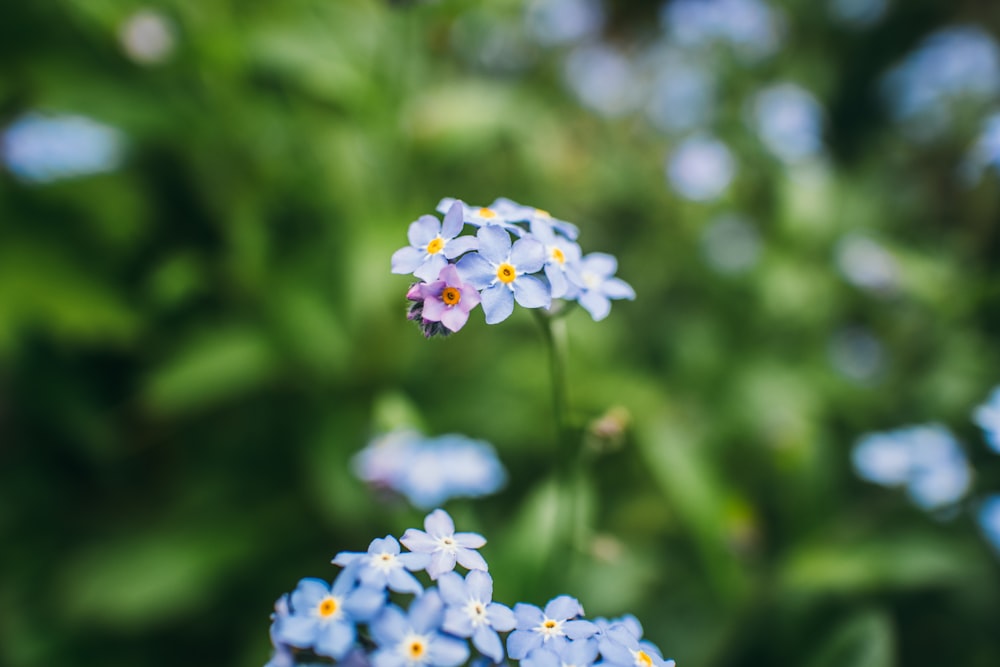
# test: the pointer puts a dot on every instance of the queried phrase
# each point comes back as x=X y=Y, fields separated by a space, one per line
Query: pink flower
x=448 y=300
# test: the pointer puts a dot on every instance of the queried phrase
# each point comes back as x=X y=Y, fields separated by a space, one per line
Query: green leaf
x=864 y=640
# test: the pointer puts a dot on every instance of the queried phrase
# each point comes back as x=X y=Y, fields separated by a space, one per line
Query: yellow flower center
x=327 y=607
x=435 y=246
x=487 y=213
x=549 y=624
x=416 y=649
x=642 y=659
x=542 y=213
x=451 y=296
x=558 y=255
x=506 y=273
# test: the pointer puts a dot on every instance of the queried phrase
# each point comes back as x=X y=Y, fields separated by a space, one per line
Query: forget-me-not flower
x=413 y=638
x=621 y=648
x=554 y=626
x=514 y=212
x=561 y=256
x=443 y=546
x=480 y=216
x=502 y=273
x=282 y=656
x=383 y=566
x=471 y=612
x=596 y=284
x=323 y=617
x=448 y=299
x=432 y=244
x=987 y=417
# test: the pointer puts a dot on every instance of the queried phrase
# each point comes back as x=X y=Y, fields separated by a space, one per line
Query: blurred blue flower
x=595 y=284
x=432 y=244
x=789 y=121
x=681 y=94
x=444 y=546
x=413 y=639
x=865 y=263
x=282 y=656
x=956 y=64
x=701 y=168
x=987 y=417
x=502 y=272
x=384 y=566
x=561 y=256
x=602 y=78
x=858 y=13
x=551 y=628
x=620 y=647
x=39 y=148
x=147 y=37
x=471 y=612
x=988 y=517
x=751 y=27
x=856 y=353
x=430 y=471
x=323 y=617
x=554 y=22
x=984 y=153
x=926 y=459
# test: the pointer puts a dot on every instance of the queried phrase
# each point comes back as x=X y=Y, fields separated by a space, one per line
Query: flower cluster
x=353 y=620
x=519 y=254
x=430 y=471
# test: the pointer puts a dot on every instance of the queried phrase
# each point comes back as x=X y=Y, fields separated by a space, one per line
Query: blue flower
x=323 y=617
x=481 y=216
x=596 y=284
x=432 y=244
x=987 y=417
x=413 y=639
x=282 y=656
x=628 y=621
x=471 y=612
x=429 y=471
x=561 y=256
x=926 y=459
x=383 y=566
x=988 y=517
x=550 y=628
x=514 y=212
x=580 y=653
x=502 y=271
x=621 y=648
x=444 y=546
x=44 y=148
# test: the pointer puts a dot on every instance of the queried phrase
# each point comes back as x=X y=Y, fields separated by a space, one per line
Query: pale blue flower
x=323 y=617
x=789 y=121
x=701 y=168
x=41 y=148
x=430 y=471
x=471 y=612
x=413 y=639
x=621 y=648
x=561 y=256
x=481 y=216
x=443 y=546
x=514 y=212
x=432 y=244
x=502 y=272
x=987 y=417
x=595 y=284
x=988 y=518
x=551 y=628
x=384 y=566
x=282 y=656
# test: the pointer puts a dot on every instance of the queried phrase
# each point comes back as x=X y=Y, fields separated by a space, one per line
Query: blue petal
x=423 y=230
x=581 y=652
x=475 y=270
x=460 y=246
x=616 y=288
x=488 y=643
x=299 y=631
x=448 y=652
x=528 y=616
x=596 y=304
x=528 y=255
x=579 y=629
x=457 y=622
x=387 y=544
x=407 y=260
x=308 y=594
x=439 y=524
x=480 y=585
x=521 y=642
x=452 y=588
x=471 y=560
x=497 y=302
x=426 y=612
x=601 y=263
x=364 y=602
x=388 y=657
x=441 y=562
x=446 y=203
x=402 y=581
x=335 y=640
x=541 y=657
x=500 y=616
x=563 y=607
x=390 y=626
x=531 y=292
x=431 y=267
x=453 y=221
x=494 y=244
x=557 y=280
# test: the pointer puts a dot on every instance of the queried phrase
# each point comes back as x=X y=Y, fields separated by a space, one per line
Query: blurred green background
x=198 y=331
